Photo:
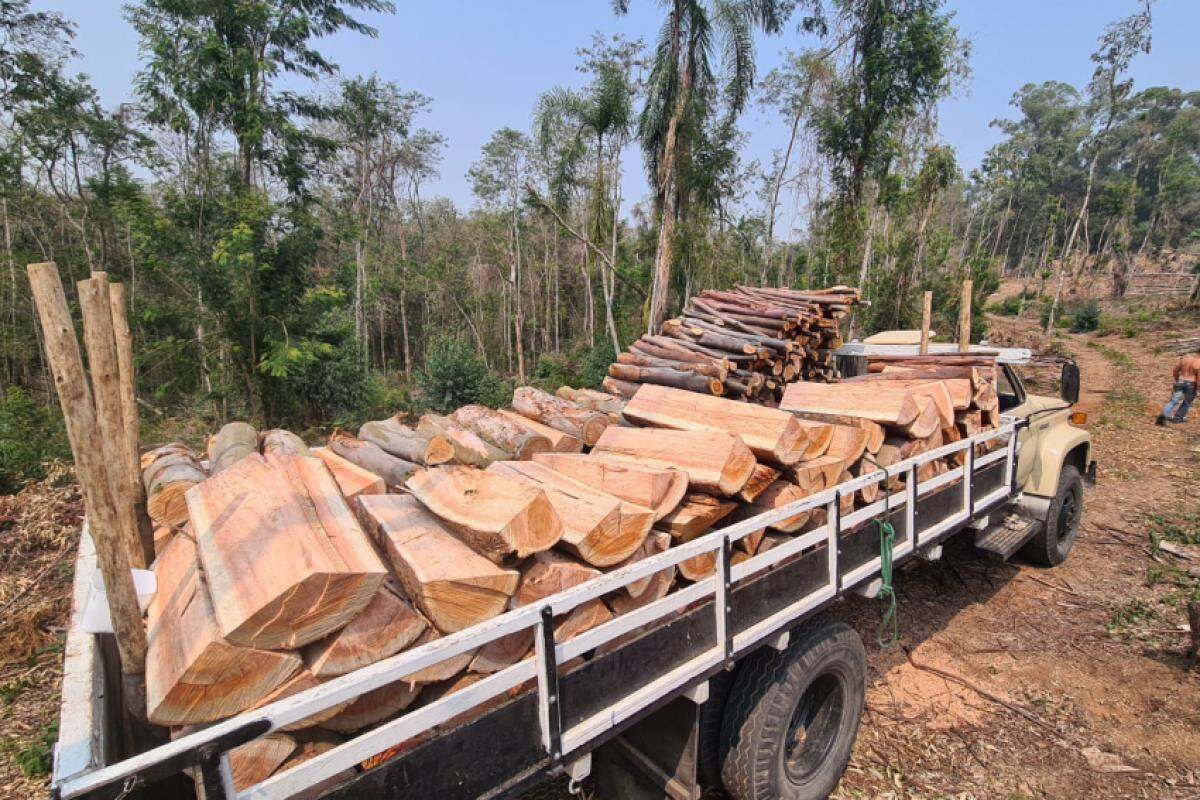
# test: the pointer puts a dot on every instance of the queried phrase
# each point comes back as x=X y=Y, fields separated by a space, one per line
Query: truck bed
x=540 y=716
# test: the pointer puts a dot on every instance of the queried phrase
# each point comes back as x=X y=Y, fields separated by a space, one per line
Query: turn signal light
x=1079 y=418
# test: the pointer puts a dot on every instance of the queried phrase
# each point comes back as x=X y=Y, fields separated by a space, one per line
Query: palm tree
x=683 y=93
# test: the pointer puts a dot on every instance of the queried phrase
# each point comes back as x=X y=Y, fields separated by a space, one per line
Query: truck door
x=1014 y=401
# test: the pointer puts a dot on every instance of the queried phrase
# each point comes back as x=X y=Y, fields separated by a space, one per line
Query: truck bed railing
x=206 y=748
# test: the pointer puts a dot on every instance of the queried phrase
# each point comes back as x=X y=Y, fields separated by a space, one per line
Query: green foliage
x=1130 y=614
x=595 y=366
x=36 y=758
x=455 y=375
x=31 y=434
x=1086 y=318
x=1008 y=307
x=1181 y=528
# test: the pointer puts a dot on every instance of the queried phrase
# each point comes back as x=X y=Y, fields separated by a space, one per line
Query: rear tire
x=711 y=715
x=792 y=717
x=1053 y=543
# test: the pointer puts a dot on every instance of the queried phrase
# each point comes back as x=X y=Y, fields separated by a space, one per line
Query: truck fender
x=1061 y=444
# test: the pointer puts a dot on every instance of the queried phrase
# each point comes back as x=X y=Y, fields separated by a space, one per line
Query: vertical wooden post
x=964 y=318
x=66 y=365
x=101 y=345
x=926 y=314
x=129 y=411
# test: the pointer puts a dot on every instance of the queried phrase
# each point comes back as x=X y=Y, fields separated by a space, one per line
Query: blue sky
x=484 y=62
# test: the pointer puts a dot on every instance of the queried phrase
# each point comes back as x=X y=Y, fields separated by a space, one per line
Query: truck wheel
x=1053 y=543
x=791 y=717
x=711 y=715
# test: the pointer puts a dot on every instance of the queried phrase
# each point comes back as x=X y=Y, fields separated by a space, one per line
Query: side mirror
x=1070 y=382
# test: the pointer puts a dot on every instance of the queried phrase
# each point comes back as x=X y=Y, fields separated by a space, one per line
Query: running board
x=1007 y=537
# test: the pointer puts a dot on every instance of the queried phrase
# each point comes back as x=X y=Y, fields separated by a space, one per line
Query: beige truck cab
x=1055 y=449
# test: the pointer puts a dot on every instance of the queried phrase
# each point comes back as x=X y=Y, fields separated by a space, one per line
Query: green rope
x=887 y=537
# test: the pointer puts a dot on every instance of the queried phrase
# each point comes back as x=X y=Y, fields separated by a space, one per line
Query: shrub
x=31 y=435
x=1008 y=307
x=455 y=375
x=595 y=365
x=1086 y=318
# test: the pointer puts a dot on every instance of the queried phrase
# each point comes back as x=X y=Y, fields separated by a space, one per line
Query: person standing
x=1186 y=373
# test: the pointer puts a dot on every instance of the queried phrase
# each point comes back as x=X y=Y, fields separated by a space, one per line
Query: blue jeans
x=1177 y=407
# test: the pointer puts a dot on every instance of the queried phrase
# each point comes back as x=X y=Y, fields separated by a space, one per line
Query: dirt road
x=1088 y=657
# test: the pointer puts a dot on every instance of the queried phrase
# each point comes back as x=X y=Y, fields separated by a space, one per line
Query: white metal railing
x=559 y=741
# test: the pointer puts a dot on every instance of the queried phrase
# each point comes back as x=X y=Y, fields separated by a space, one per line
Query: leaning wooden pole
x=103 y=363
x=964 y=318
x=926 y=315
x=129 y=410
x=66 y=365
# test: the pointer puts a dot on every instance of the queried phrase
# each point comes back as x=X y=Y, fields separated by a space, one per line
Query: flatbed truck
x=738 y=680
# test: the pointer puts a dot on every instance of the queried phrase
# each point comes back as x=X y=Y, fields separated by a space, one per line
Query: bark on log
x=560 y=442
x=466 y=446
x=517 y=443
x=351 y=479
x=659 y=489
x=385 y=627
x=590 y=398
x=394 y=471
x=285 y=558
x=498 y=516
x=715 y=462
x=623 y=389
x=715 y=369
x=281 y=442
x=231 y=444
x=665 y=377
x=559 y=414
x=193 y=674
x=419 y=446
x=449 y=582
x=770 y=434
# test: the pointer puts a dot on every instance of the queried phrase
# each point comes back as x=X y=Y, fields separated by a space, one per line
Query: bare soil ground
x=1067 y=683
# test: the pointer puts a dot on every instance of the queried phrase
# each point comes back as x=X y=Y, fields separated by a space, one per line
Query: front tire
x=792 y=717
x=1053 y=543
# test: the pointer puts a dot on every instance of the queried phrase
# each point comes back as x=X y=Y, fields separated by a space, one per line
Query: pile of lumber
x=746 y=343
x=917 y=403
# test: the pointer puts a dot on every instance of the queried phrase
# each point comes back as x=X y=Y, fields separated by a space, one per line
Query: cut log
x=443 y=670
x=818 y=474
x=284 y=556
x=418 y=446
x=877 y=403
x=193 y=675
x=928 y=419
x=385 y=627
x=590 y=398
x=657 y=587
x=968 y=422
x=664 y=376
x=544 y=575
x=771 y=434
x=230 y=445
x=498 y=516
x=872 y=491
x=599 y=528
x=622 y=389
x=518 y=443
x=715 y=462
x=762 y=477
x=281 y=442
x=467 y=447
x=302 y=681
x=374 y=706
x=777 y=495
x=351 y=479
x=373 y=458
x=255 y=761
x=313 y=744
x=452 y=585
x=819 y=435
x=657 y=542
x=657 y=488
x=848 y=443
x=697 y=514
x=560 y=414
x=167 y=474
x=560 y=442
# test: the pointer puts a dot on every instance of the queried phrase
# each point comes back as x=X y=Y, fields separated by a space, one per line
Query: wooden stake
x=66 y=365
x=926 y=314
x=964 y=318
x=129 y=410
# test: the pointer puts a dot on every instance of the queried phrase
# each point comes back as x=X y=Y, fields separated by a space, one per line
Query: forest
x=285 y=260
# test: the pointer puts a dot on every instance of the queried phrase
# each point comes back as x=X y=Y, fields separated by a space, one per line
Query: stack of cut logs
x=747 y=344
x=281 y=566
